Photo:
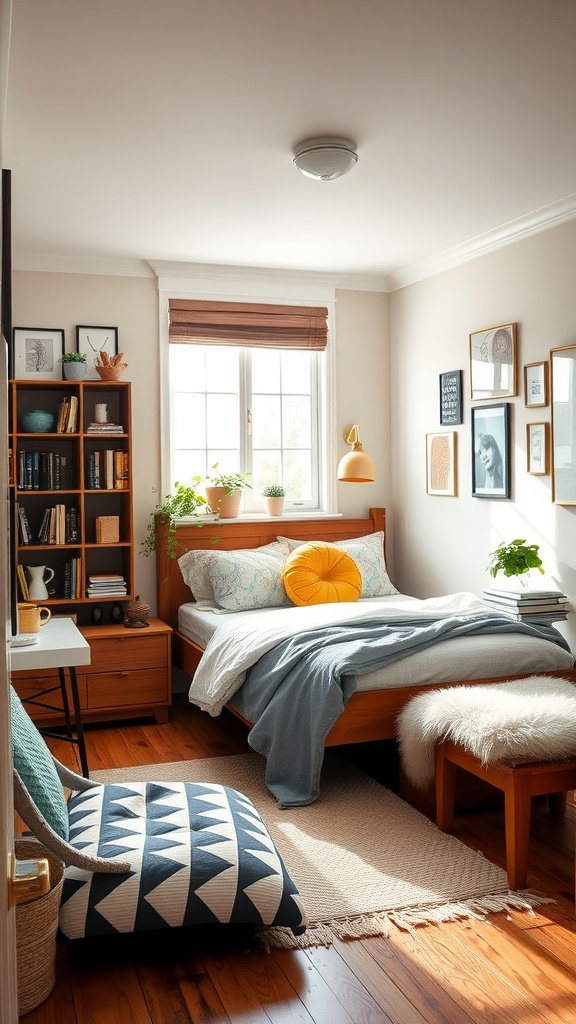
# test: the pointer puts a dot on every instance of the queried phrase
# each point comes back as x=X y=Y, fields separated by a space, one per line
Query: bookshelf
x=72 y=489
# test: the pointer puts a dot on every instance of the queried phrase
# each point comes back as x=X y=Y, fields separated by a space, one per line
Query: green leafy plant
x=184 y=501
x=73 y=357
x=231 y=481
x=274 y=491
x=515 y=559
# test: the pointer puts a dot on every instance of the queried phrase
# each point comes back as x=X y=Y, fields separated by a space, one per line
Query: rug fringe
x=370 y=925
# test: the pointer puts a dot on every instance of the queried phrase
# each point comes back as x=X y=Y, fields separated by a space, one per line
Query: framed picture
x=441 y=464
x=537 y=448
x=491 y=451
x=563 y=439
x=493 y=363
x=36 y=351
x=536 y=384
x=451 y=397
x=91 y=341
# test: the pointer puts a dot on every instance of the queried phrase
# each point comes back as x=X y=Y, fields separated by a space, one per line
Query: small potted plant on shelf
x=224 y=492
x=74 y=365
x=274 y=499
x=184 y=501
x=515 y=559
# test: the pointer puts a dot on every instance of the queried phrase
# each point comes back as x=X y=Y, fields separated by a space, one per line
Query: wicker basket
x=36 y=928
x=107 y=529
x=110 y=372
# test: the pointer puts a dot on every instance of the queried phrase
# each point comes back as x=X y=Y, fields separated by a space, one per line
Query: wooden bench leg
x=517 y=807
x=445 y=789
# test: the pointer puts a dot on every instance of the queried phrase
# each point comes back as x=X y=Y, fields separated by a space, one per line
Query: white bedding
x=234 y=642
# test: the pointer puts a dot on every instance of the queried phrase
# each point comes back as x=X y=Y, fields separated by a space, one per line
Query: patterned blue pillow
x=34 y=764
x=200 y=854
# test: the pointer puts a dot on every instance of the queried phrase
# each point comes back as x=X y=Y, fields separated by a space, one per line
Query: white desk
x=62 y=646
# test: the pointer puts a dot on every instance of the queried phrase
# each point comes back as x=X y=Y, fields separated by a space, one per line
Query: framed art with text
x=536 y=384
x=493 y=363
x=441 y=464
x=537 y=447
x=36 y=352
x=451 y=397
x=491 y=451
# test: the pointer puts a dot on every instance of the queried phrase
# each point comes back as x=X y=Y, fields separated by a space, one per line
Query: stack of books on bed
x=528 y=605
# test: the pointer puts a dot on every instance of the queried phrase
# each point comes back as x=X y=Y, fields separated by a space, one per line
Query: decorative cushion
x=320 y=573
x=200 y=854
x=195 y=568
x=368 y=553
x=34 y=764
x=242 y=580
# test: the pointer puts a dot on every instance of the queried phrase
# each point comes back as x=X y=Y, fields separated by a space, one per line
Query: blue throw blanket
x=295 y=693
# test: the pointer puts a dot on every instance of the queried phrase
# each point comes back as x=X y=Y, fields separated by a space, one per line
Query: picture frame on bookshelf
x=92 y=340
x=36 y=352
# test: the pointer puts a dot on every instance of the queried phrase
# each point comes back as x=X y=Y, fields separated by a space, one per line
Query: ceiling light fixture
x=356 y=467
x=326 y=157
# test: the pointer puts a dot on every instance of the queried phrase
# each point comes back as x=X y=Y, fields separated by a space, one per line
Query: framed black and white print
x=491 y=451
x=91 y=341
x=451 y=397
x=536 y=384
x=36 y=351
x=537 y=448
x=441 y=464
x=493 y=363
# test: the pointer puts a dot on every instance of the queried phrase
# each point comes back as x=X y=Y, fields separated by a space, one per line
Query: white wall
x=442 y=545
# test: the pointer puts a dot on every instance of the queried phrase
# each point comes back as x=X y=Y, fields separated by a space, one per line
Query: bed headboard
x=172 y=591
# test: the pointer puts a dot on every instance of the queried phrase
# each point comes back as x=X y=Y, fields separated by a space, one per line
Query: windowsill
x=261 y=517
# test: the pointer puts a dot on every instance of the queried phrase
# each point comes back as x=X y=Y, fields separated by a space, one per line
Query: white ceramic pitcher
x=37 y=587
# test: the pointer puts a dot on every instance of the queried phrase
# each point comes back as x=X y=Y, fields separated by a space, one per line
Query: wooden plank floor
x=511 y=967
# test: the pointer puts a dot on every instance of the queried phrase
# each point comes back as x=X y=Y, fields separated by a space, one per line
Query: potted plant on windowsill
x=224 y=492
x=274 y=499
x=185 y=501
x=515 y=559
x=74 y=365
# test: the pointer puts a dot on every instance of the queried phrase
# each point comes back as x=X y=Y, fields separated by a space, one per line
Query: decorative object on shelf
x=536 y=384
x=107 y=529
x=135 y=615
x=101 y=412
x=184 y=502
x=37 y=422
x=37 y=352
x=515 y=559
x=224 y=492
x=92 y=341
x=441 y=464
x=37 y=589
x=117 y=614
x=493 y=363
x=74 y=365
x=537 y=448
x=451 y=397
x=110 y=367
x=274 y=499
x=356 y=467
x=96 y=615
x=491 y=451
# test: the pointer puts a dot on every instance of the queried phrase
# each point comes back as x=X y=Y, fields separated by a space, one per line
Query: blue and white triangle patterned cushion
x=199 y=854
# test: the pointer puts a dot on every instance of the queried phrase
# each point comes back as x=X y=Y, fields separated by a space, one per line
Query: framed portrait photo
x=493 y=363
x=491 y=451
x=91 y=341
x=35 y=353
x=536 y=384
x=537 y=448
x=451 y=397
x=441 y=464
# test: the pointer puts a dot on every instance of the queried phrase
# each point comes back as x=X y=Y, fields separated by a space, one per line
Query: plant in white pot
x=74 y=365
x=515 y=559
x=274 y=499
x=224 y=492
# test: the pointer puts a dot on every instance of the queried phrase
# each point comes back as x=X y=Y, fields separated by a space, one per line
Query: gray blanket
x=295 y=693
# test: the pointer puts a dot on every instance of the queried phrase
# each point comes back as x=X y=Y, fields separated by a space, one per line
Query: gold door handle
x=27 y=879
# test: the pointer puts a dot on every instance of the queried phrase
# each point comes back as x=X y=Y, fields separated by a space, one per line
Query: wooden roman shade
x=247 y=324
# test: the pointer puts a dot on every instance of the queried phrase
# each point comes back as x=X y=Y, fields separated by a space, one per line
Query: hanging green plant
x=515 y=559
x=184 y=501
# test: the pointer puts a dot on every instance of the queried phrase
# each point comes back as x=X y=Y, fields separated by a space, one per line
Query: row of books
x=73 y=579
x=528 y=605
x=108 y=469
x=40 y=471
x=59 y=525
x=67 y=422
x=106 y=585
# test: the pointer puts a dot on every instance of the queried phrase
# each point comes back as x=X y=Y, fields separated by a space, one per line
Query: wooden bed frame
x=368 y=715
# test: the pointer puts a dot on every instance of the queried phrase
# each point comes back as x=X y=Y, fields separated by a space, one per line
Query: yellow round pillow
x=319 y=573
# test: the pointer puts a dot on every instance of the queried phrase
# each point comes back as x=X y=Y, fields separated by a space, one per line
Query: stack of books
x=104 y=428
x=106 y=585
x=526 y=605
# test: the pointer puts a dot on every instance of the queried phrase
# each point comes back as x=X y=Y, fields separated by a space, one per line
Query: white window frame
x=232 y=284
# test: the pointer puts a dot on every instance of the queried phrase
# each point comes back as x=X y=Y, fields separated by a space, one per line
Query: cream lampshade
x=356 y=467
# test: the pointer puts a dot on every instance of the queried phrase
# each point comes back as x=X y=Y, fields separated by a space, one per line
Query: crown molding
x=507 y=234
x=172 y=272
x=105 y=266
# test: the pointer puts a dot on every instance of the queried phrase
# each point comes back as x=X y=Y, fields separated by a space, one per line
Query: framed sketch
x=91 y=341
x=451 y=397
x=493 y=363
x=36 y=351
x=537 y=447
x=563 y=402
x=441 y=464
x=491 y=451
x=536 y=384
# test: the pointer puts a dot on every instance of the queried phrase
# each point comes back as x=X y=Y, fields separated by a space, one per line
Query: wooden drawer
x=28 y=684
x=128 y=689
x=109 y=652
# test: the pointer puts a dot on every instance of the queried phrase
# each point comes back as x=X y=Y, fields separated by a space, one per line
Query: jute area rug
x=362 y=858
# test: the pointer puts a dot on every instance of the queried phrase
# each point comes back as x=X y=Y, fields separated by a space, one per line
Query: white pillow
x=243 y=580
x=368 y=553
x=195 y=568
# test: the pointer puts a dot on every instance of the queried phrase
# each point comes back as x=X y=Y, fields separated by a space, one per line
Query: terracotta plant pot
x=220 y=500
x=274 y=506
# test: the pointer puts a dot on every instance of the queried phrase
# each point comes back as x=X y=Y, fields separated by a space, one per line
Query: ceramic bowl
x=37 y=422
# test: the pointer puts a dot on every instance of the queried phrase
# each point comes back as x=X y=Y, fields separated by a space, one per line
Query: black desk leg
x=77 y=717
